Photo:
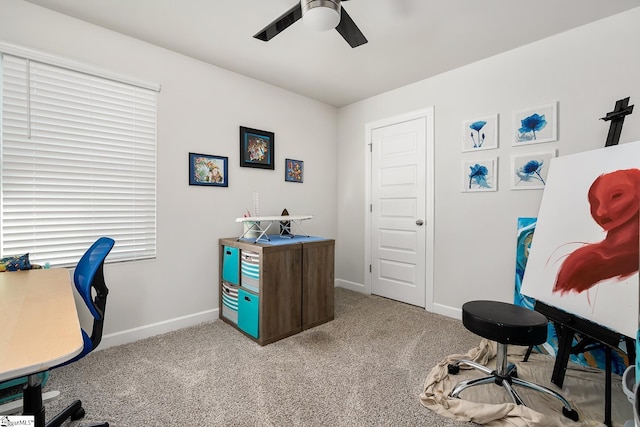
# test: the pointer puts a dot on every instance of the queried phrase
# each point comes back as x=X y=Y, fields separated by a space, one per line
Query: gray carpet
x=365 y=368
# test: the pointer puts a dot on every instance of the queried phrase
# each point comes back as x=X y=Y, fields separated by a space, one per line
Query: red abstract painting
x=614 y=200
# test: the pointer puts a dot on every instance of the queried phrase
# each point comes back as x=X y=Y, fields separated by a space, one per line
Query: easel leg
x=565 y=339
x=607 y=387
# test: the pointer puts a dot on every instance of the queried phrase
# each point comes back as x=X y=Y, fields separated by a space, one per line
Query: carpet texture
x=365 y=368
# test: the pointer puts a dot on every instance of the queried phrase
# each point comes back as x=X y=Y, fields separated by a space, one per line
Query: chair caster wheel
x=453 y=369
x=78 y=414
x=570 y=413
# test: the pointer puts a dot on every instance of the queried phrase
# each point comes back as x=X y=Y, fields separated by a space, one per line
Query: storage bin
x=230 y=302
x=230 y=265
x=250 y=270
x=248 y=304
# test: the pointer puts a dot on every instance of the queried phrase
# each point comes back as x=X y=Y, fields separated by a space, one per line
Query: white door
x=398 y=232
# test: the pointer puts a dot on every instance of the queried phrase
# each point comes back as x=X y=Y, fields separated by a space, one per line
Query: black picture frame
x=293 y=170
x=208 y=170
x=256 y=148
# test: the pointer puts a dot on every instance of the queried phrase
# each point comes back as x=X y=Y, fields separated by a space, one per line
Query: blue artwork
x=478 y=176
x=477 y=127
x=531 y=171
x=480 y=133
x=536 y=125
x=526 y=227
x=530 y=125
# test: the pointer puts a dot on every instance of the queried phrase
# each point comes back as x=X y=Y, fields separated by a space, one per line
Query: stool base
x=506 y=376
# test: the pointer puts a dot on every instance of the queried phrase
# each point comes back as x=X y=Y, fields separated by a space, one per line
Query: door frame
x=427 y=114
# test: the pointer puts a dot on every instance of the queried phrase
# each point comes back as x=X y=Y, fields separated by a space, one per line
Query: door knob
x=419 y=222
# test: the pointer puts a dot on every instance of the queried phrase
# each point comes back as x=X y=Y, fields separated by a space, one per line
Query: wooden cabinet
x=287 y=287
x=318 y=282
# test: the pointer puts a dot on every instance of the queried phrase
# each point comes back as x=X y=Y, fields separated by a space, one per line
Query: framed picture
x=529 y=171
x=294 y=170
x=256 y=148
x=479 y=175
x=480 y=134
x=208 y=170
x=536 y=125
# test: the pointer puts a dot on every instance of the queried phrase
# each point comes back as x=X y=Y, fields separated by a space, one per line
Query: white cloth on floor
x=490 y=405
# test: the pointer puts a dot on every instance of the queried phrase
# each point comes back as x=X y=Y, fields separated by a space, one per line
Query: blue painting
x=529 y=171
x=479 y=175
x=535 y=125
x=480 y=134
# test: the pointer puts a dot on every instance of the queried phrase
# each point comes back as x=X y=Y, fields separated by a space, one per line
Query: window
x=77 y=161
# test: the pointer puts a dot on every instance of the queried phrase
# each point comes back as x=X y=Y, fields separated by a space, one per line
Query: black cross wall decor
x=616 y=117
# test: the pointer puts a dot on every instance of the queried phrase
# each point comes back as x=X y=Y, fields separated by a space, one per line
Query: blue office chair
x=89 y=280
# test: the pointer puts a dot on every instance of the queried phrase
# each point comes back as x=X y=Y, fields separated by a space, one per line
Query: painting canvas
x=584 y=254
x=535 y=125
x=479 y=175
x=594 y=356
x=529 y=171
x=480 y=134
x=526 y=229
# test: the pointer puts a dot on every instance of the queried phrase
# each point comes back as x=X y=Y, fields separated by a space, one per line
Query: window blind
x=78 y=161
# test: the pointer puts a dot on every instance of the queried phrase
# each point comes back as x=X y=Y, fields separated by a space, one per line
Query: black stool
x=506 y=324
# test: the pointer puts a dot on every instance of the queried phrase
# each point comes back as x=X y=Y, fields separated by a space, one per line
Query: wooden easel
x=569 y=325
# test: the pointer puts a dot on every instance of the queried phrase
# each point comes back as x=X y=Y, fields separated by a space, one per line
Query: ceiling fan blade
x=350 y=31
x=280 y=24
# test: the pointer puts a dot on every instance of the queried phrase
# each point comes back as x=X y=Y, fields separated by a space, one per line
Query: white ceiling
x=409 y=40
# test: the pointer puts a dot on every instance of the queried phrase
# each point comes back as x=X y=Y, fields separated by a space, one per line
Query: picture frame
x=529 y=170
x=294 y=170
x=208 y=170
x=479 y=175
x=256 y=148
x=480 y=134
x=535 y=125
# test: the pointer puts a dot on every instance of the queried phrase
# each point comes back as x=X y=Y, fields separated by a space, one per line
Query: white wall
x=586 y=70
x=200 y=109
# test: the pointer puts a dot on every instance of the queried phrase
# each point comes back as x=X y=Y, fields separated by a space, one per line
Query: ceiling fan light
x=321 y=15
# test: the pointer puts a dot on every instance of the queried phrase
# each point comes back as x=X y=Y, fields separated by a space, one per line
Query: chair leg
x=541 y=389
x=505 y=375
x=515 y=397
x=455 y=366
x=75 y=411
x=462 y=385
x=15 y=406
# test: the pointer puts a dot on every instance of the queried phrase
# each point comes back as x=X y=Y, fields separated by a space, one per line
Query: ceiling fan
x=321 y=15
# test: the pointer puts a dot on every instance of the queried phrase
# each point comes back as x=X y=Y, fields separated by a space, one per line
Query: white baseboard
x=448 y=311
x=146 y=331
x=352 y=286
x=444 y=310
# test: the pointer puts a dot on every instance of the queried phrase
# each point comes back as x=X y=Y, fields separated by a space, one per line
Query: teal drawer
x=248 y=304
x=230 y=265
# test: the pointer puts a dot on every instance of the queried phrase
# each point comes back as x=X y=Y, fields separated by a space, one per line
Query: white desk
x=39 y=326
